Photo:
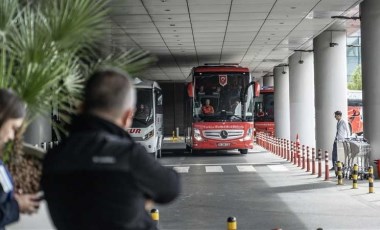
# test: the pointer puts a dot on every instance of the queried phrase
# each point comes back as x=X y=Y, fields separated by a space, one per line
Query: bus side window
x=159 y=101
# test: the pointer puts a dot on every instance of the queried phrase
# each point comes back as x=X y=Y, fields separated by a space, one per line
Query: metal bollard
x=340 y=173
x=154 y=213
x=303 y=156
x=355 y=177
x=370 y=180
x=313 y=161
x=307 y=159
x=231 y=223
x=327 y=171
x=319 y=163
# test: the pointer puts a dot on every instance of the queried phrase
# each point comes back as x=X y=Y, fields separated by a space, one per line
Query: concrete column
x=301 y=96
x=330 y=80
x=260 y=80
x=40 y=130
x=268 y=80
x=281 y=102
x=370 y=14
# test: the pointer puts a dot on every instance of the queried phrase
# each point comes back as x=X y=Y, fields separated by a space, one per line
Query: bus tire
x=243 y=151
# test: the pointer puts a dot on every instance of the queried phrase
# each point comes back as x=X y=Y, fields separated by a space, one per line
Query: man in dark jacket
x=98 y=177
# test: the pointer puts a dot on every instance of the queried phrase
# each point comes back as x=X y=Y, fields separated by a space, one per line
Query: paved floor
x=262 y=190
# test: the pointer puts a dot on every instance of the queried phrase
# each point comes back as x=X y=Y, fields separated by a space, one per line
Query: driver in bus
x=141 y=112
x=207 y=109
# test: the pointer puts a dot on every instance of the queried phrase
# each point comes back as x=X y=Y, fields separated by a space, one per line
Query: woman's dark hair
x=11 y=106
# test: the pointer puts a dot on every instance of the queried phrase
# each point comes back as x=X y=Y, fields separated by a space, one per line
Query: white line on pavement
x=182 y=169
x=214 y=169
x=278 y=168
x=246 y=168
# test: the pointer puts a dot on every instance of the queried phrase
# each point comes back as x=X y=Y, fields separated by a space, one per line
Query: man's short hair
x=109 y=90
x=338 y=113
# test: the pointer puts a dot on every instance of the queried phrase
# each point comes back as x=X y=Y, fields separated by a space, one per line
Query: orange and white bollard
x=303 y=156
x=299 y=155
x=288 y=150
x=307 y=159
x=327 y=172
x=319 y=163
x=313 y=161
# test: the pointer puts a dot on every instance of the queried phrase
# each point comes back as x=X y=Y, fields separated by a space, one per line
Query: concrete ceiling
x=258 y=34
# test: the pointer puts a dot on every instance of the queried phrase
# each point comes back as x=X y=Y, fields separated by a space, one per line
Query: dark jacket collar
x=93 y=123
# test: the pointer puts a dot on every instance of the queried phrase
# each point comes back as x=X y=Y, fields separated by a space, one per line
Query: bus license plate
x=223 y=144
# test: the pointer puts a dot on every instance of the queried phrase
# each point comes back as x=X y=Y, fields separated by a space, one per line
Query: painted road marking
x=214 y=169
x=182 y=169
x=278 y=168
x=245 y=168
x=224 y=164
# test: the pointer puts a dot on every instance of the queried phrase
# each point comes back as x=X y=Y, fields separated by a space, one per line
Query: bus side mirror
x=190 y=91
x=256 y=89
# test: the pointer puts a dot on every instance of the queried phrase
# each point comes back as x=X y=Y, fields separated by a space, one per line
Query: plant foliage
x=356 y=80
x=49 y=47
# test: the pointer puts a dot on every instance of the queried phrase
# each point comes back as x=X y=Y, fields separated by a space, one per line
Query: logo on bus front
x=134 y=130
x=223 y=80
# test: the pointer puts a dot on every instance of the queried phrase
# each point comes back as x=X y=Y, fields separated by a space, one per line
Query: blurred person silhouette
x=12 y=203
x=98 y=177
x=342 y=132
x=207 y=109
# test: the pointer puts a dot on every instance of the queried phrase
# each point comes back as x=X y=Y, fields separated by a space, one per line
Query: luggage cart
x=360 y=155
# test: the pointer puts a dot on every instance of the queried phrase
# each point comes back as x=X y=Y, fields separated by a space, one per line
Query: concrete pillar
x=268 y=80
x=40 y=130
x=260 y=80
x=281 y=102
x=370 y=20
x=301 y=96
x=330 y=80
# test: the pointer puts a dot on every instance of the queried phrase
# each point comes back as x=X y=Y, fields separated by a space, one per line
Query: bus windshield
x=144 y=108
x=217 y=96
x=264 y=109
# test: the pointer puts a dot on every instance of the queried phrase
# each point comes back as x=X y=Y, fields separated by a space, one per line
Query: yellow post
x=355 y=177
x=370 y=179
x=155 y=215
x=231 y=223
x=340 y=173
x=173 y=135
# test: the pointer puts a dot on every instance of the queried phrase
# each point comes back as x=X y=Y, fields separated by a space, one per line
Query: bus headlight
x=197 y=134
x=249 y=135
x=148 y=135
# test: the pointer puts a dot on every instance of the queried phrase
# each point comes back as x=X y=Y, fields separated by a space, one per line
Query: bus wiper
x=140 y=120
x=236 y=116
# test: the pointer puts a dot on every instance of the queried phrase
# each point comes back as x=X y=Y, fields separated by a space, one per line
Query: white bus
x=147 y=126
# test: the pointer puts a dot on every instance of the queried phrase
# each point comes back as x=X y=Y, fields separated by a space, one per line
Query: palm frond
x=8 y=9
x=75 y=24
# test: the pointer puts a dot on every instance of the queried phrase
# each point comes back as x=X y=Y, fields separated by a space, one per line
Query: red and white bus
x=355 y=111
x=219 y=108
x=264 y=111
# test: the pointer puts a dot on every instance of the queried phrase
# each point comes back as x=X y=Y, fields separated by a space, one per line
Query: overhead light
x=345 y=17
x=332 y=44
x=283 y=70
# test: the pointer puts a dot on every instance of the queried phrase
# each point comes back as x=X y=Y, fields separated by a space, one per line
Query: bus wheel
x=243 y=151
